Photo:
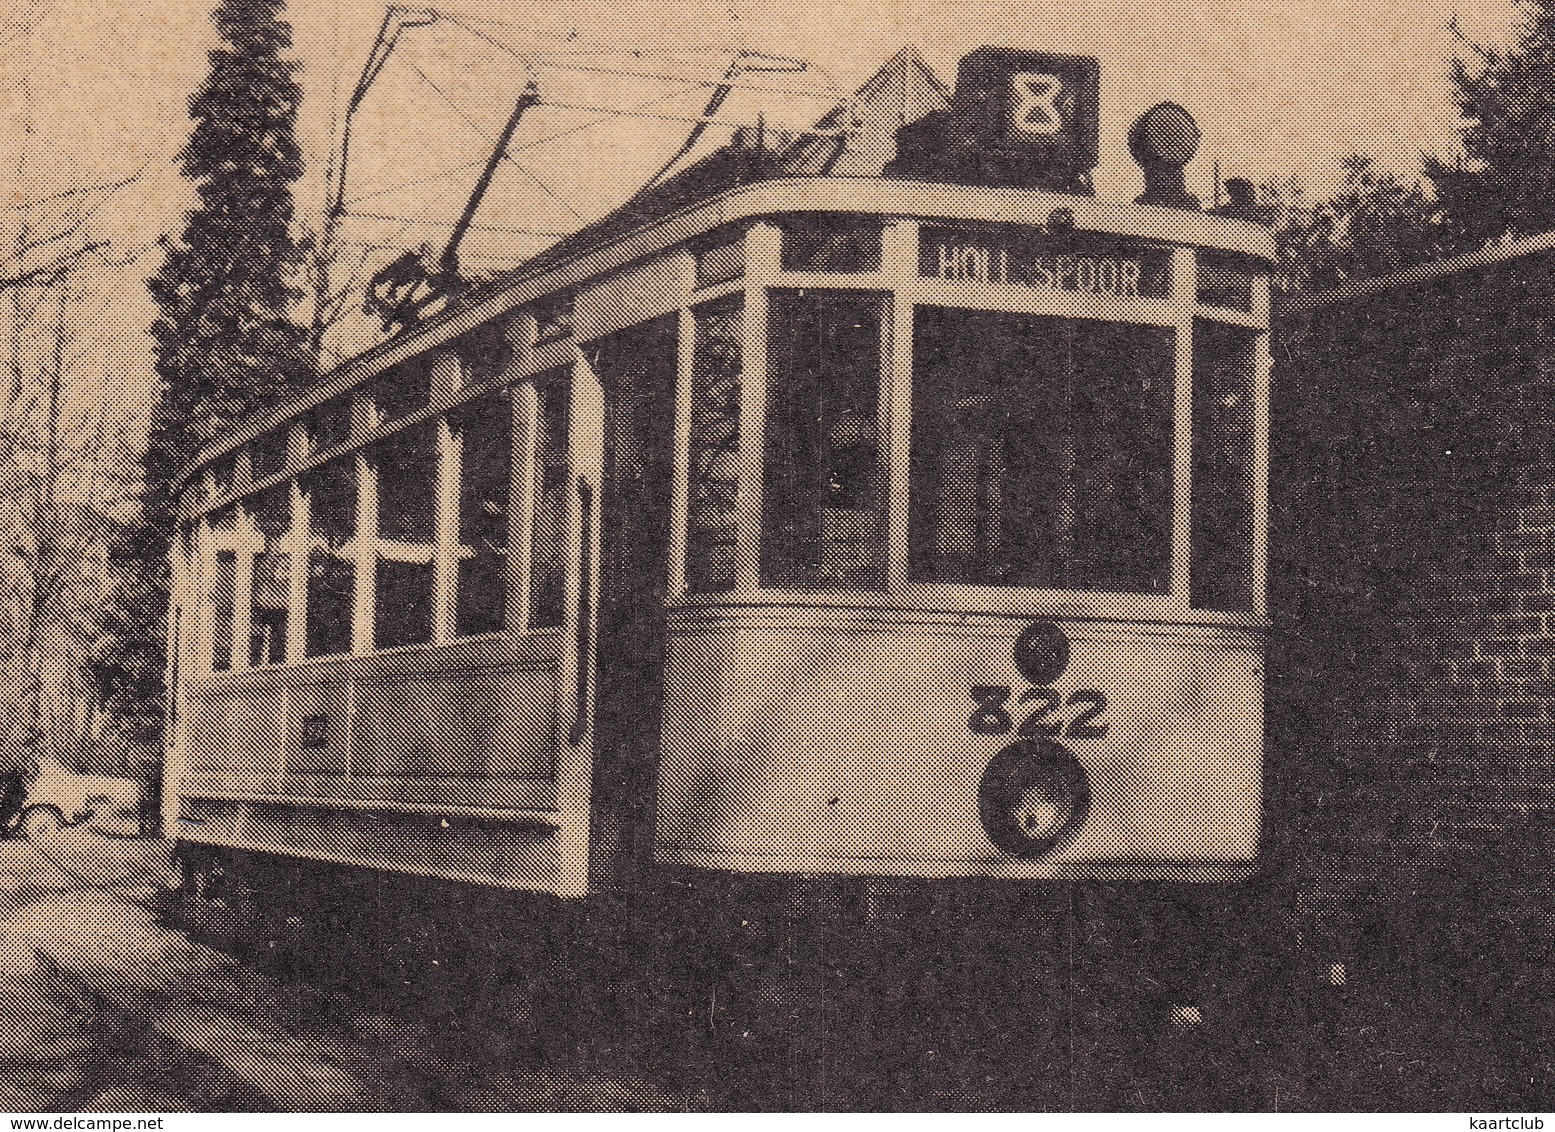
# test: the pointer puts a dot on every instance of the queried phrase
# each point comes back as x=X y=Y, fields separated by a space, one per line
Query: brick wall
x=1413 y=673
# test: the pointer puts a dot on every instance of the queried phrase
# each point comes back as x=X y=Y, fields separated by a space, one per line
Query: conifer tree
x=1504 y=183
x=225 y=339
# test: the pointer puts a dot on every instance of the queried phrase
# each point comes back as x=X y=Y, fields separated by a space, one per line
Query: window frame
x=369 y=432
x=1171 y=441
x=878 y=476
x=899 y=277
x=678 y=291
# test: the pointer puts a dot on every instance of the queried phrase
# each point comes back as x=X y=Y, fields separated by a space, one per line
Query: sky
x=98 y=91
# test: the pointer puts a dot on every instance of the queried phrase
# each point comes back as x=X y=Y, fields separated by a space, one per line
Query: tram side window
x=486 y=426
x=550 y=515
x=486 y=351
x=331 y=495
x=822 y=492
x=1224 y=363
x=1041 y=452
x=223 y=595
x=329 y=424
x=224 y=585
x=271 y=515
x=407 y=498
x=713 y=467
x=223 y=475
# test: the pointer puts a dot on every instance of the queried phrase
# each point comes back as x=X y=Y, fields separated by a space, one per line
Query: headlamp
x=1033 y=797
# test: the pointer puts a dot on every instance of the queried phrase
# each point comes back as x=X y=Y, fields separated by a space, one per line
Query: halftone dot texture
x=828 y=731
x=1427 y=637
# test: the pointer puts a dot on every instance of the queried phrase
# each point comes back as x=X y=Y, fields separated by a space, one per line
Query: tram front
x=973 y=520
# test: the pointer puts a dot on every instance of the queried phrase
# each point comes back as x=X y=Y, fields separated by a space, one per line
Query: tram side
x=879 y=544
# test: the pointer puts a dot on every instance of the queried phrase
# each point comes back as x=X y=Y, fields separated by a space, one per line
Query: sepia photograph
x=866 y=556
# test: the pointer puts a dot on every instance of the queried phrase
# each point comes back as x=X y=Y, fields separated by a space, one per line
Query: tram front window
x=822 y=493
x=1224 y=368
x=1041 y=452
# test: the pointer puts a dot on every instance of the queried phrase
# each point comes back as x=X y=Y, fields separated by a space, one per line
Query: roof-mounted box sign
x=1026 y=258
x=1020 y=118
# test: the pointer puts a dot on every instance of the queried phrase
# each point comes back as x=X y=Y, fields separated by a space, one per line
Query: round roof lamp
x=1163 y=140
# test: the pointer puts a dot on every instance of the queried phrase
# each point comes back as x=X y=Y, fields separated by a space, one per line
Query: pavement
x=104 y=1009
x=56 y=1041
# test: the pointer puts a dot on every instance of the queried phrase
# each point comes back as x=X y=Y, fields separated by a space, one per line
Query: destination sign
x=1078 y=264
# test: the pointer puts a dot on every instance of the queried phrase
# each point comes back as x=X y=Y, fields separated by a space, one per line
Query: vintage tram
x=899 y=527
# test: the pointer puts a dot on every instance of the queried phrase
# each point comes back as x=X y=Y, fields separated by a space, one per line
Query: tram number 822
x=991 y=718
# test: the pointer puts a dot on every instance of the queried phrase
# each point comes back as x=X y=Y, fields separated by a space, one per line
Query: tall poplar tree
x=1504 y=183
x=225 y=339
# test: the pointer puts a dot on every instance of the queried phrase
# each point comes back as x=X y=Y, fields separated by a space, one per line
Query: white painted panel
x=496 y=723
x=632 y=295
x=845 y=747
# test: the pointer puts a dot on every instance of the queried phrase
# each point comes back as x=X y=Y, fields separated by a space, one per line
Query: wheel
x=40 y=820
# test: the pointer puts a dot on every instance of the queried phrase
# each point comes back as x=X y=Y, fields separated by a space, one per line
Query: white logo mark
x=1034 y=107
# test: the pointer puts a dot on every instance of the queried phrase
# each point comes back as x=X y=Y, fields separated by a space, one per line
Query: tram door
x=636 y=368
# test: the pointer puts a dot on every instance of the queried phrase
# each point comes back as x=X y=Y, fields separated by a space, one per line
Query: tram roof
x=800 y=173
x=1489 y=256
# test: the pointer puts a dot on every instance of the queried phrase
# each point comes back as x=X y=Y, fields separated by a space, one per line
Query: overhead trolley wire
x=449 y=172
x=746 y=62
x=792 y=64
x=720 y=94
x=457 y=22
x=395 y=21
x=414 y=220
x=532 y=62
x=481 y=133
x=399 y=19
x=703 y=120
x=535 y=144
